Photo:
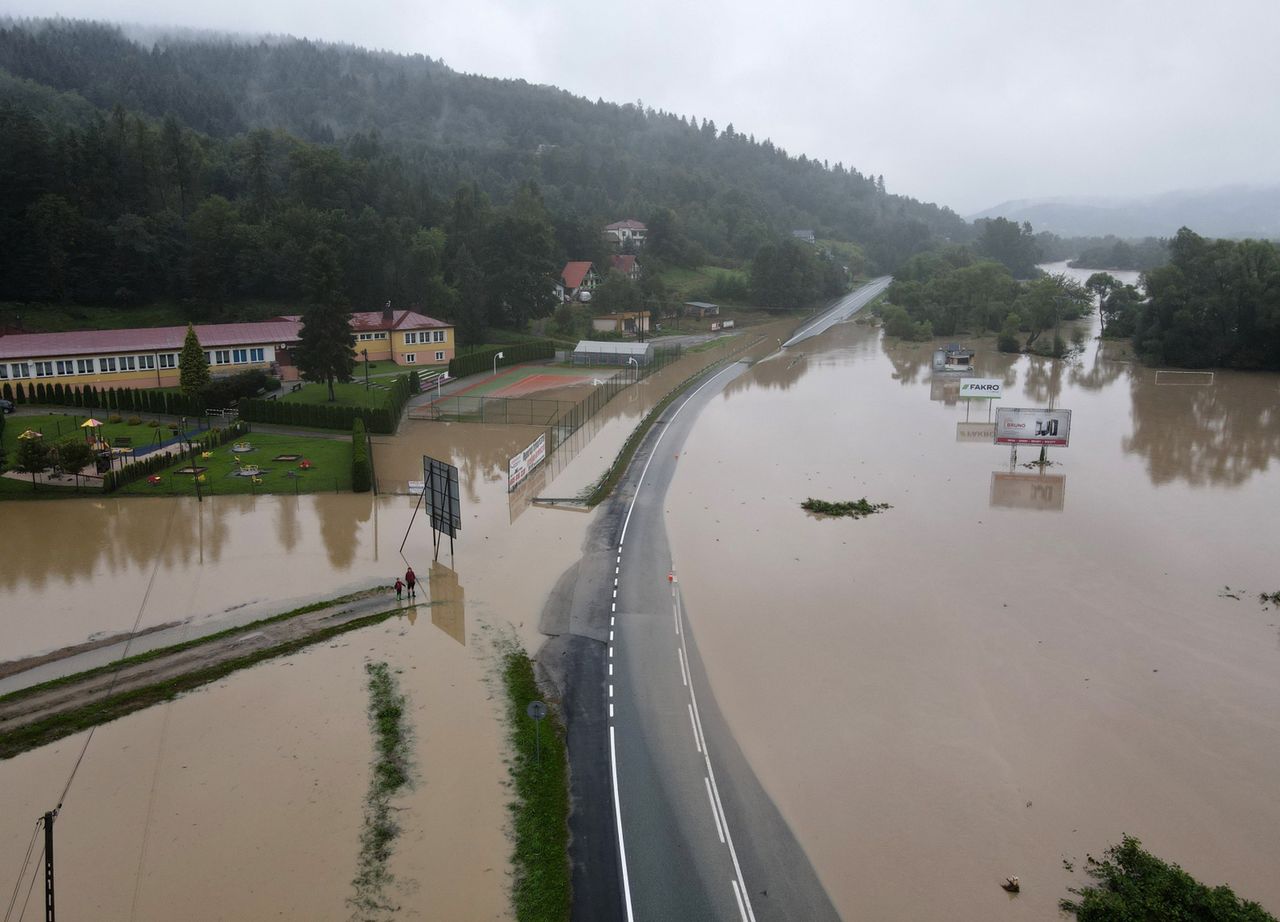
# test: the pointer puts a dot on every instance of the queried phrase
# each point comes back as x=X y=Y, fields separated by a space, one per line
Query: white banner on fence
x=982 y=388
x=1016 y=426
x=518 y=468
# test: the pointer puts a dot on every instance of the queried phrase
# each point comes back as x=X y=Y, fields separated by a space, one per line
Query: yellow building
x=148 y=357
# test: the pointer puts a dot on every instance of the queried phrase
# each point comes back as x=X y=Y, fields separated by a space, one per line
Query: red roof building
x=626 y=264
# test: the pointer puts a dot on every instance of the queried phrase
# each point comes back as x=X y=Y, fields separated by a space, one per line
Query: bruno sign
x=1032 y=427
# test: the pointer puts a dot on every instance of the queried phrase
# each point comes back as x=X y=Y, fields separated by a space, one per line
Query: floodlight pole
x=495 y=362
x=365 y=353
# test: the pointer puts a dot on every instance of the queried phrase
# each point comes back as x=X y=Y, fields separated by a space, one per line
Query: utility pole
x=48 y=865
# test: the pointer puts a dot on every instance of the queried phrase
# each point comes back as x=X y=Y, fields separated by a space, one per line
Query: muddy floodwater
x=1010 y=668
x=244 y=799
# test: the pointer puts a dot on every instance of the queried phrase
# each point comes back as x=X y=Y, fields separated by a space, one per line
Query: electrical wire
x=35 y=872
x=133 y=633
x=22 y=871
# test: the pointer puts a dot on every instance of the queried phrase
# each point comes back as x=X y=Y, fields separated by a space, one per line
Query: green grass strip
x=540 y=813
x=392 y=770
x=57 y=726
x=855 y=509
x=186 y=645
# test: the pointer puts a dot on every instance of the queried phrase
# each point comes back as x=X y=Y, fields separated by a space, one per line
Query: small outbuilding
x=625 y=322
x=592 y=352
x=701 y=309
x=952 y=357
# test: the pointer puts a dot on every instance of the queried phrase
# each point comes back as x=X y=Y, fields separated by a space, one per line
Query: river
x=1007 y=670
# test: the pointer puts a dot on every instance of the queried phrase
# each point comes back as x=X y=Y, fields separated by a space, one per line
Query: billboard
x=518 y=468
x=1043 y=492
x=981 y=388
x=1015 y=426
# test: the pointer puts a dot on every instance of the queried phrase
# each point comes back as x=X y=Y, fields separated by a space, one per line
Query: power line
x=17 y=887
x=35 y=872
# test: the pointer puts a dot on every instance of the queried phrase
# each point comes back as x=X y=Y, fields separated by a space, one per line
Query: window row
x=411 y=358
x=426 y=336
x=108 y=364
x=368 y=336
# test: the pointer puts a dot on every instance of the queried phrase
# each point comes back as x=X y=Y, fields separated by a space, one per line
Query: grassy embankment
x=392 y=771
x=540 y=812
x=91 y=714
x=329 y=468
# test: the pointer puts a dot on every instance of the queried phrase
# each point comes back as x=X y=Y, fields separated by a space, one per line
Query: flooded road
x=1007 y=669
x=244 y=799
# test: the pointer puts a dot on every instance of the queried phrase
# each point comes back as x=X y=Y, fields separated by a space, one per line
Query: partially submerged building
x=952 y=357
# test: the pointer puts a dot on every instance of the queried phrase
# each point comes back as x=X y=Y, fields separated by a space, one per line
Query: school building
x=149 y=357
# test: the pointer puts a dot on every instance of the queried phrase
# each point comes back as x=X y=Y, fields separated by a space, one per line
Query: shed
x=701 y=309
x=593 y=352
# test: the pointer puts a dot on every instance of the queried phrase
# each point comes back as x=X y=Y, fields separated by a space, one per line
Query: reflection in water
x=1043 y=386
x=1110 y=361
x=448 y=602
x=1220 y=434
x=339 y=523
x=976 y=432
x=1043 y=492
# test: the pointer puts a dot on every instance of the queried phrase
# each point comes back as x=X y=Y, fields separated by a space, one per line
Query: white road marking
x=719 y=828
x=611 y=710
x=610 y=651
x=697 y=744
x=610 y=689
x=617 y=812
x=684 y=676
x=611 y=636
x=611 y=669
x=738 y=894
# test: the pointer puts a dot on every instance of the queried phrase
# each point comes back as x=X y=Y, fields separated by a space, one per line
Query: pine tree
x=325 y=351
x=193 y=367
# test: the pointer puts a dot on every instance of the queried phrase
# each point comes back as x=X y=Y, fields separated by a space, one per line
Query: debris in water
x=1011 y=885
x=853 y=509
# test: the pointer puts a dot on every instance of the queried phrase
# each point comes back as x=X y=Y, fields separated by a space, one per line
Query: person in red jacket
x=399 y=589
x=412 y=580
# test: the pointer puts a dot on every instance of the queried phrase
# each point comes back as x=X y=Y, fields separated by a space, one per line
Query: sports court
x=527 y=380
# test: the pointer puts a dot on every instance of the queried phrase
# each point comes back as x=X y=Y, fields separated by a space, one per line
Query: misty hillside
x=1230 y=211
x=595 y=161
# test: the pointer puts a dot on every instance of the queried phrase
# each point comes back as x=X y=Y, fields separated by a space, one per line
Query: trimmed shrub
x=361 y=471
x=415 y=382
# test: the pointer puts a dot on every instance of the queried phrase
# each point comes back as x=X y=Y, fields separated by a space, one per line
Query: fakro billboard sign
x=1017 y=426
x=982 y=388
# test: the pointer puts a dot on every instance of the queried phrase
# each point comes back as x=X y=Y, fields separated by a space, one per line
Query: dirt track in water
x=134 y=680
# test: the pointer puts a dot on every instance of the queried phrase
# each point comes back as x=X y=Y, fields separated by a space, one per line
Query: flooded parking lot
x=1010 y=668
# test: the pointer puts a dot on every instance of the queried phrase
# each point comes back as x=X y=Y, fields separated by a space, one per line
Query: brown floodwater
x=243 y=799
x=1006 y=670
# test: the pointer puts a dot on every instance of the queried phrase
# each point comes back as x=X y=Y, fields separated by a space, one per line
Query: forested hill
x=592 y=161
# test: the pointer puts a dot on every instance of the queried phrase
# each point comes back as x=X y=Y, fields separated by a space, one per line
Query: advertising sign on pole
x=518 y=468
x=982 y=388
x=1017 y=426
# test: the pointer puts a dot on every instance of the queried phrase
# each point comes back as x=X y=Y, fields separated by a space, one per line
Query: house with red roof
x=622 y=233
x=578 y=278
x=148 y=357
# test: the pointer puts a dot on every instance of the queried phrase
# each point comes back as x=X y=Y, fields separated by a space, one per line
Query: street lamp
x=495 y=363
x=365 y=353
x=632 y=361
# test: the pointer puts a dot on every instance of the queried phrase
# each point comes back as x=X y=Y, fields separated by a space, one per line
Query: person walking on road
x=399 y=589
x=412 y=580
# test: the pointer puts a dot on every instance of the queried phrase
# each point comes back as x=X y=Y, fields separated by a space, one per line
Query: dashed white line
x=696 y=741
x=610 y=710
x=611 y=637
x=719 y=827
x=611 y=669
x=684 y=676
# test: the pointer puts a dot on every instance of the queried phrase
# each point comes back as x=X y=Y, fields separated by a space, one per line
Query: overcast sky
x=963 y=103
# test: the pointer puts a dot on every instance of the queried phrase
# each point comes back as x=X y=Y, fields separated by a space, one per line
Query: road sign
x=1016 y=426
x=981 y=388
x=536 y=709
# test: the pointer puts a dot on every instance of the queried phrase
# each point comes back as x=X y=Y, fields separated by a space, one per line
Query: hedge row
x=382 y=420
x=136 y=470
x=106 y=398
x=361 y=471
x=476 y=362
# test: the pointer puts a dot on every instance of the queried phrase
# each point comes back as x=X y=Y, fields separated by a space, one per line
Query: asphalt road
x=667 y=821
x=843 y=309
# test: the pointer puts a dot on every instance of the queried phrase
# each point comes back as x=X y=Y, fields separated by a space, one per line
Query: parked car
x=6 y=406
